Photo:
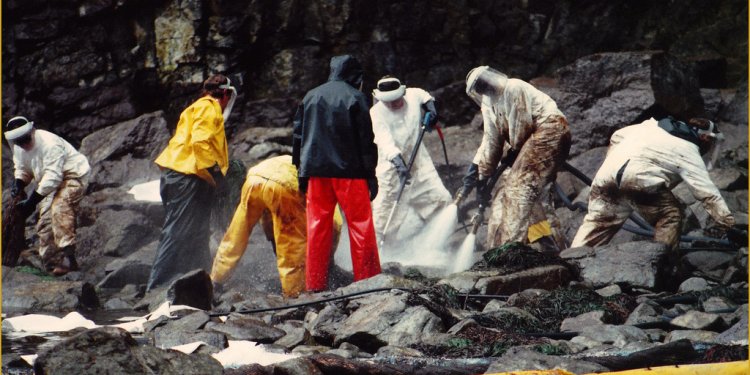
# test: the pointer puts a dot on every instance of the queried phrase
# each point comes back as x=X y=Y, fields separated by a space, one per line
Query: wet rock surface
x=112 y=77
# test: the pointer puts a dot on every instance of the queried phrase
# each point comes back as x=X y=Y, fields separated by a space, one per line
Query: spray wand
x=478 y=218
x=425 y=124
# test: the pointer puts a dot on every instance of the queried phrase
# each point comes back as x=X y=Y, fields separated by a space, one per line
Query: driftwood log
x=673 y=353
x=335 y=365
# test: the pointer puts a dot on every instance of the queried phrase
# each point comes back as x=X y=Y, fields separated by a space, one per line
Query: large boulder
x=248 y=328
x=546 y=277
x=192 y=289
x=113 y=350
x=636 y=264
x=390 y=321
x=41 y=295
x=116 y=233
x=604 y=92
x=123 y=154
x=735 y=335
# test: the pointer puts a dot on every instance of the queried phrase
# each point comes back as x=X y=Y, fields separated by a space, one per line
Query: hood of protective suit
x=346 y=68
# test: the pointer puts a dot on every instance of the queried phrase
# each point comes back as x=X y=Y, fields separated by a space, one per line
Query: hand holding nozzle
x=477 y=220
x=469 y=183
x=459 y=196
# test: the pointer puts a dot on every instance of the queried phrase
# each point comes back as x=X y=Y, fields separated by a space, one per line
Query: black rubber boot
x=70 y=253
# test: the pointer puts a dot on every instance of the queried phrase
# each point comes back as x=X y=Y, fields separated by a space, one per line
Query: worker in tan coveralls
x=528 y=120
x=61 y=175
x=644 y=162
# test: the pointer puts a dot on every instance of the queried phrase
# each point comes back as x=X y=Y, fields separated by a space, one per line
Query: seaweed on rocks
x=476 y=342
x=515 y=256
x=725 y=353
x=509 y=322
x=412 y=273
x=569 y=302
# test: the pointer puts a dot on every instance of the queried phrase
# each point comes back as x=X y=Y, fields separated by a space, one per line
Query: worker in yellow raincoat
x=271 y=187
x=193 y=167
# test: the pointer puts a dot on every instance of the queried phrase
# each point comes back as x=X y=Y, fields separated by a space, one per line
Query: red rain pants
x=354 y=198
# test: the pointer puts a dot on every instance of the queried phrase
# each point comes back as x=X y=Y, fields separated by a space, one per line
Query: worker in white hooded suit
x=396 y=120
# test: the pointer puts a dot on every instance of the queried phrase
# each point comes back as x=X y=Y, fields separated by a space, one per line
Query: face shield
x=713 y=144
x=230 y=104
x=19 y=130
x=485 y=85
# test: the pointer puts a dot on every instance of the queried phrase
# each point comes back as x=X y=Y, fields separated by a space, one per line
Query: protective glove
x=401 y=169
x=430 y=121
x=26 y=207
x=470 y=182
x=737 y=236
x=372 y=184
x=17 y=188
x=302 y=182
x=716 y=231
x=484 y=192
x=221 y=183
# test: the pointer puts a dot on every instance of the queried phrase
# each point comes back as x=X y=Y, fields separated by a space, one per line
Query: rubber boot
x=70 y=253
x=61 y=269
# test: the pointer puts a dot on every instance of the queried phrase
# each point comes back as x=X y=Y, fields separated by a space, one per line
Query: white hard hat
x=389 y=89
x=18 y=127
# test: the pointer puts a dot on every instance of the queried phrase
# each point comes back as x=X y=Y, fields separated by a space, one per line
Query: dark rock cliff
x=79 y=66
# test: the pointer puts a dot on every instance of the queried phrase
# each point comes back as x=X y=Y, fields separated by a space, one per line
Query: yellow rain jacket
x=271 y=187
x=199 y=141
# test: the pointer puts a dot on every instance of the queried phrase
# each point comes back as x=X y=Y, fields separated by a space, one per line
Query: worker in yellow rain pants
x=271 y=187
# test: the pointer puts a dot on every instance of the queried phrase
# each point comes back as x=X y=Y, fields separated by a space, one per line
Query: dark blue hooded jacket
x=332 y=128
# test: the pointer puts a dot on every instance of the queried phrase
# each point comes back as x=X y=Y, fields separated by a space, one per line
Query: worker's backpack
x=679 y=129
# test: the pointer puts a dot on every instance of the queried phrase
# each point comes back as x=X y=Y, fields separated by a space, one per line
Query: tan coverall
x=530 y=122
x=61 y=174
x=643 y=164
x=271 y=187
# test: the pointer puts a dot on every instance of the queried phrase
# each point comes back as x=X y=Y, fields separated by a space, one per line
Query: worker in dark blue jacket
x=335 y=154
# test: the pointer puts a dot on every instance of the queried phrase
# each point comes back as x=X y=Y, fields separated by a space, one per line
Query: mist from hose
x=429 y=248
x=465 y=257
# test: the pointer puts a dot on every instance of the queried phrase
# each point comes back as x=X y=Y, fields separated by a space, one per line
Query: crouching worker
x=528 y=120
x=644 y=162
x=271 y=187
x=61 y=176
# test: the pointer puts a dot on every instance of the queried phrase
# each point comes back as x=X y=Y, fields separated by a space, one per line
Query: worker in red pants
x=335 y=153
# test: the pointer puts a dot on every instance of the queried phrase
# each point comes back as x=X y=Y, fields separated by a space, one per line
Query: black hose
x=581 y=176
x=347 y=296
x=336 y=298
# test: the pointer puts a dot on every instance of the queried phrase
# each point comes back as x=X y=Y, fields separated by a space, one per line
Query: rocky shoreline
x=104 y=76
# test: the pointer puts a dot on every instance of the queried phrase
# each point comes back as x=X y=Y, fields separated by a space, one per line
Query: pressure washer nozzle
x=459 y=197
x=476 y=221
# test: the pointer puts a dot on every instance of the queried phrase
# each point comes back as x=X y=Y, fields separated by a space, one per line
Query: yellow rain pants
x=271 y=187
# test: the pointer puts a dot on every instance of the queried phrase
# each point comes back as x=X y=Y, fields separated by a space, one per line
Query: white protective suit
x=656 y=162
x=61 y=176
x=51 y=160
x=396 y=132
x=530 y=122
